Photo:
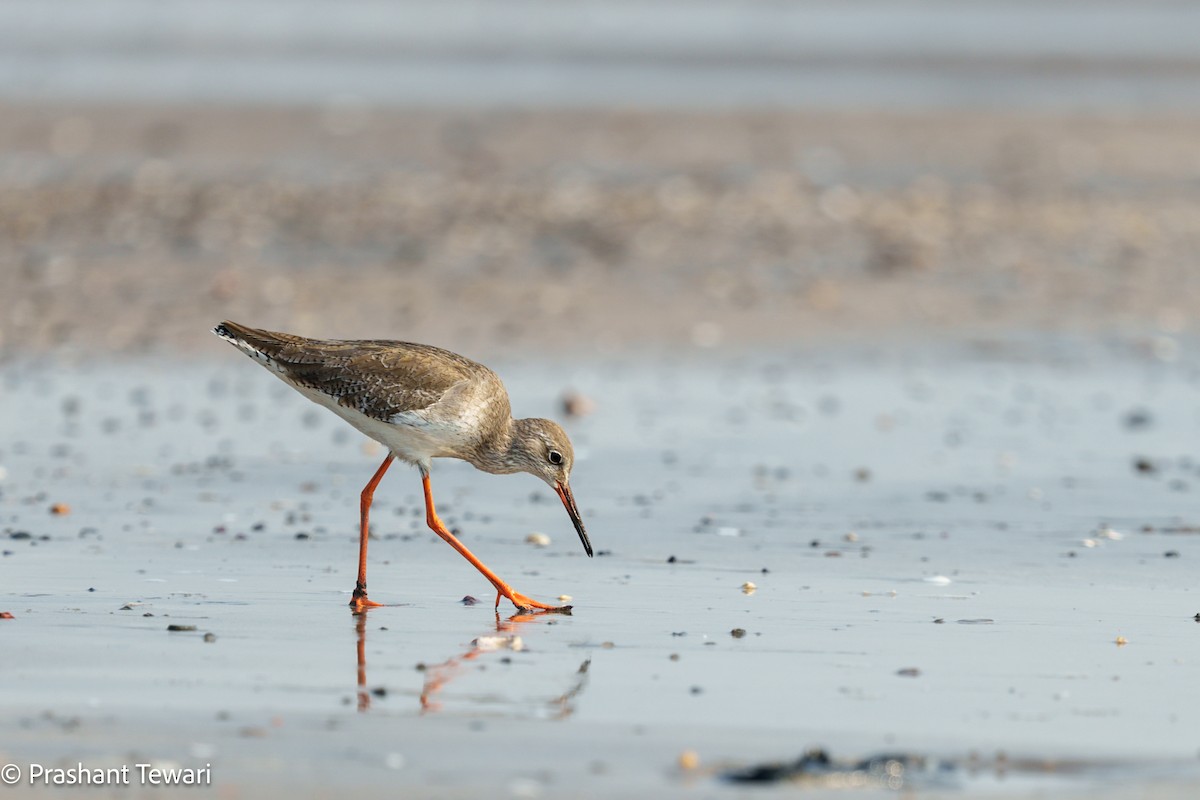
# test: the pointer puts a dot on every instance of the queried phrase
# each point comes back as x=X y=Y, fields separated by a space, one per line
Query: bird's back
x=376 y=377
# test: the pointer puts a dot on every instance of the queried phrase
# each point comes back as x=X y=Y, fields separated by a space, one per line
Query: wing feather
x=379 y=378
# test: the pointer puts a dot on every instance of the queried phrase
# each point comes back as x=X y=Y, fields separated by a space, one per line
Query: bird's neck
x=499 y=454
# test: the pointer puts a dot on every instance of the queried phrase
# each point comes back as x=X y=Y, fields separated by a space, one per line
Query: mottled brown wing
x=379 y=378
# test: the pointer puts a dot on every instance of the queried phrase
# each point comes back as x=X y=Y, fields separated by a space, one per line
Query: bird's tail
x=260 y=345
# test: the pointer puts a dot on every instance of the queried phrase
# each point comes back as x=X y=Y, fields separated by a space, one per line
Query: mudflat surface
x=975 y=553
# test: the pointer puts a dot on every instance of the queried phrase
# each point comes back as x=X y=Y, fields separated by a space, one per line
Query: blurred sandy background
x=596 y=176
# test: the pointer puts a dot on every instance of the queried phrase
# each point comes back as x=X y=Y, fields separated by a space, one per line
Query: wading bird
x=421 y=403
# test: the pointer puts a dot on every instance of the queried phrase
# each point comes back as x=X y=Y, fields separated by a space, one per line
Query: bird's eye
x=555 y=457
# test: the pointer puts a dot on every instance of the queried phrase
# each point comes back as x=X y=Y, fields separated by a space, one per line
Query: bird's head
x=542 y=448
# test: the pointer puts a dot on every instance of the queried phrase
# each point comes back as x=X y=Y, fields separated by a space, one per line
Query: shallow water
x=946 y=548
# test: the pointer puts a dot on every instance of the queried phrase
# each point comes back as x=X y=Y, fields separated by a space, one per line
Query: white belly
x=409 y=435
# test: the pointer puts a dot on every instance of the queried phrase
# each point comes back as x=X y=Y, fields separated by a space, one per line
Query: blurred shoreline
x=128 y=229
x=660 y=54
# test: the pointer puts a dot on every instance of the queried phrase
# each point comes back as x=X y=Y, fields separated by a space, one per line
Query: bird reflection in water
x=437 y=676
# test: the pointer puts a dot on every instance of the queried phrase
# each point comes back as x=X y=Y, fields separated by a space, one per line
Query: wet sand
x=948 y=543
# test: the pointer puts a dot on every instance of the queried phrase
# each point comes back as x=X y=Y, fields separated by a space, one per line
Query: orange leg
x=359 y=599
x=502 y=589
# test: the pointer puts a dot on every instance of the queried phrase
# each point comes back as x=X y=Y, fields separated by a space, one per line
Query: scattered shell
x=748 y=587
x=1088 y=542
x=1122 y=641
x=60 y=509
x=6 y=615
x=727 y=531
x=565 y=598
x=938 y=580
x=1109 y=533
x=689 y=759
x=908 y=672
x=488 y=643
x=538 y=539
x=851 y=537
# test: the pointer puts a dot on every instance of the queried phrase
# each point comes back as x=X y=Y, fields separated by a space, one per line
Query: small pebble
x=538 y=539
x=1144 y=466
x=60 y=509
x=565 y=598
x=210 y=637
x=689 y=759
x=174 y=627
x=1122 y=641
x=575 y=404
x=908 y=672
x=938 y=580
x=738 y=633
x=749 y=587
x=468 y=600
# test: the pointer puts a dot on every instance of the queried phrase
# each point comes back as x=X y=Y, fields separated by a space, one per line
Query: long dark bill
x=568 y=499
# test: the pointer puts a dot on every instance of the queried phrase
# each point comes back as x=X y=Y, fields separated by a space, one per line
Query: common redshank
x=421 y=403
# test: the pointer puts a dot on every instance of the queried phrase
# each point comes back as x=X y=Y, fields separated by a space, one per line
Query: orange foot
x=359 y=601
x=362 y=604
x=524 y=603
